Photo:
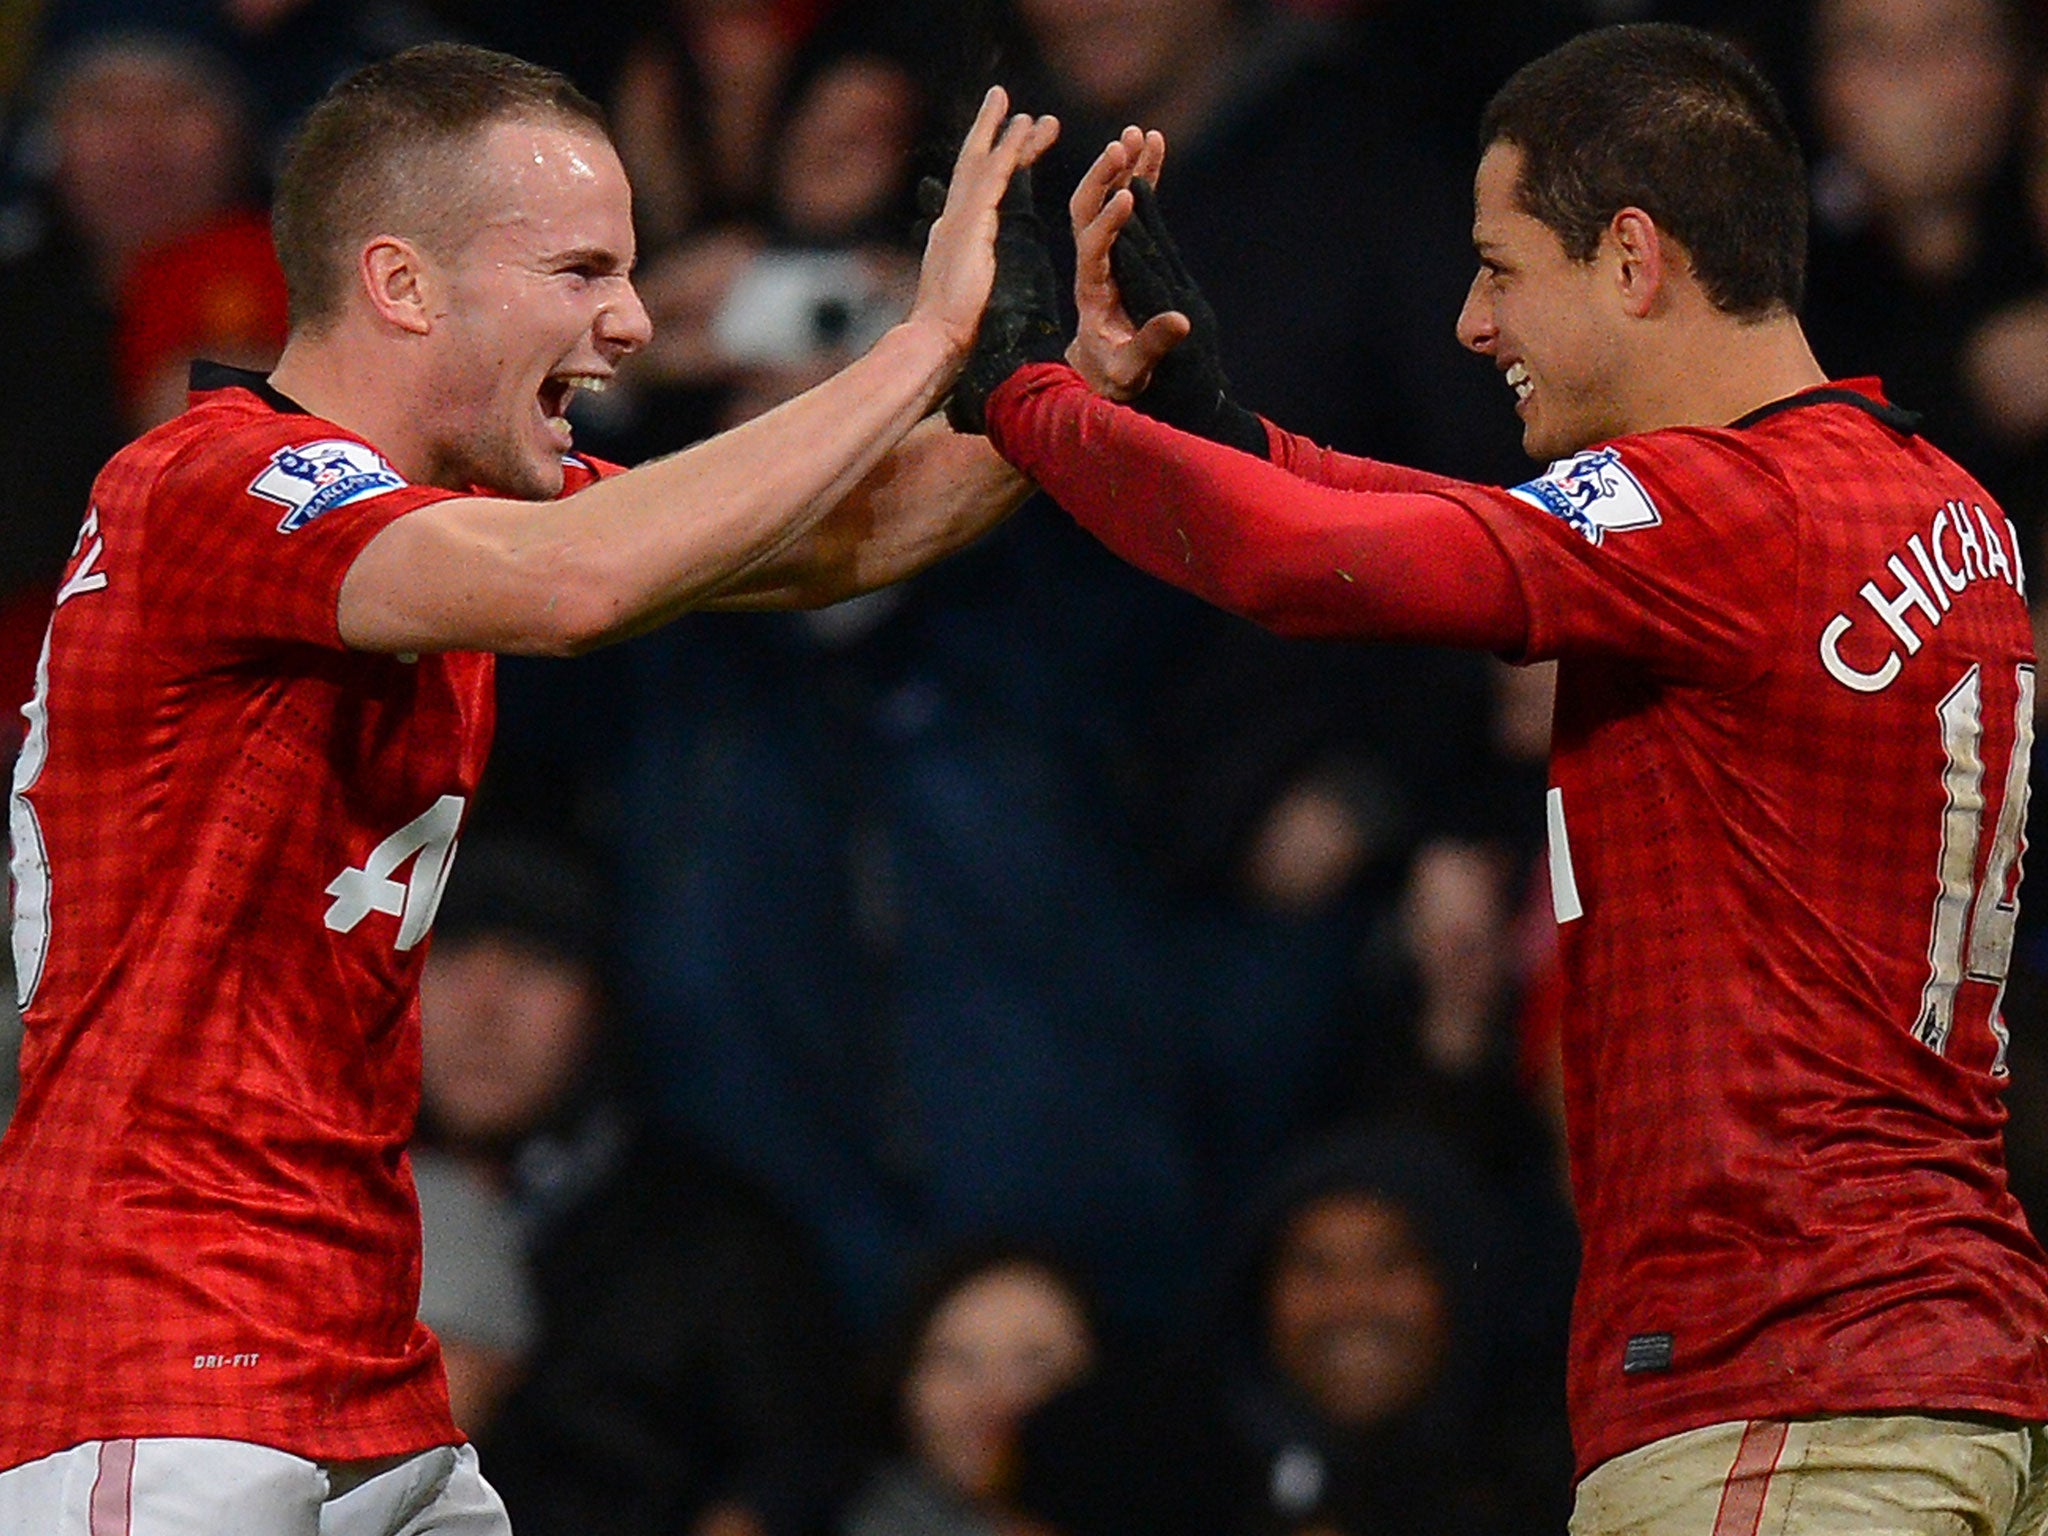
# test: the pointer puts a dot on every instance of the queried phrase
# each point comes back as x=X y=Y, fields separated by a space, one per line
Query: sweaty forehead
x=552 y=181
x=543 y=156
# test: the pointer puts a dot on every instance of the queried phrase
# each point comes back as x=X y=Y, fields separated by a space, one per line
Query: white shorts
x=191 y=1487
x=1851 y=1475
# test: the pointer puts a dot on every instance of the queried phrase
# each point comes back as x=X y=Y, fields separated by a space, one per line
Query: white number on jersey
x=429 y=841
x=1974 y=922
x=29 y=861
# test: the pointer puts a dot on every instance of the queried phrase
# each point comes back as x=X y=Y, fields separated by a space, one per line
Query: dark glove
x=1022 y=321
x=1188 y=388
x=931 y=202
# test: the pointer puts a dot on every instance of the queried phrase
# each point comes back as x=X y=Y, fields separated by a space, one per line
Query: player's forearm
x=724 y=515
x=934 y=493
x=1250 y=537
x=640 y=547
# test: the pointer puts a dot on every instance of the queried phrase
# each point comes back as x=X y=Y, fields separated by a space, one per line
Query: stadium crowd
x=980 y=1058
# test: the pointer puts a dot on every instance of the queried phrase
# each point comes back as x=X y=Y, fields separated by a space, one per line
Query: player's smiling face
x=1547 y=322
x=538 y=303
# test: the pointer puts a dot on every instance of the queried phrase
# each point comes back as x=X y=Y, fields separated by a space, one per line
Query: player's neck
x=336 y=381
x=1727 y=368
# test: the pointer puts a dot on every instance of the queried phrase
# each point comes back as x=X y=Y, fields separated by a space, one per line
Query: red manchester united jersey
x=229 y=836
x=1795 y=704
x=1788 y=790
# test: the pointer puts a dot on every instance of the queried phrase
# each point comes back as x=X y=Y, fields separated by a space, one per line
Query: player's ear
x=1643 y=256
x=397 y=280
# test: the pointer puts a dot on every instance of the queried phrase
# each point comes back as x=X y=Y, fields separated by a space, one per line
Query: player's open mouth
x=1518 y=381
x=557 y=390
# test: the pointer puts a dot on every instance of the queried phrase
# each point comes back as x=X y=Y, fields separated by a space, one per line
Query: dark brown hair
x=383 y=152
x=1674 y=121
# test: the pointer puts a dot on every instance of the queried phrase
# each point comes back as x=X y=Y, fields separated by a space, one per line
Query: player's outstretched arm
x=935 y=492
x=938 y=489
x=637 y=549
x=1249 y=536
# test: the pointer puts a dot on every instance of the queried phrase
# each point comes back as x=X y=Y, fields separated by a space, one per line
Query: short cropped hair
x=1674 y=121
x=385 y=151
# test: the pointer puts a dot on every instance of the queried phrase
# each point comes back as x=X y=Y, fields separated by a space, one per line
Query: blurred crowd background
x=1018 y=1053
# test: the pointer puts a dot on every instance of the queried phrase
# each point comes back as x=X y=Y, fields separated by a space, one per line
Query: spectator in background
x=1919 y=230
x=144 y=141
x=286 y=52
x=148 y=139
x=685 y=1373
x=694 y=109
x=835 y=270
x=1257 y=104
x=849 y=131
x=991 y=1332
x=216 y=293
x=753 y=952
x=930 y=919
x=751 y=310
x=1343 y=1387
x=2004 y=359
x=1282 y=779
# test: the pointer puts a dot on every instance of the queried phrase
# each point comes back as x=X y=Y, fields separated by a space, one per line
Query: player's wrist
x=929 y=346
x=1197 y=400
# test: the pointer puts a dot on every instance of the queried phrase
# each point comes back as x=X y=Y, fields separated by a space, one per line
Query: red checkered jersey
x=230 y=833
x=1795 y=702
x=1795 y=705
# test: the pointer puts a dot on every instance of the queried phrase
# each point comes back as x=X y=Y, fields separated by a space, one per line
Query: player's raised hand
x=1022 y=321
x=1116 y=348
x=959 y=255
x=1147 y=333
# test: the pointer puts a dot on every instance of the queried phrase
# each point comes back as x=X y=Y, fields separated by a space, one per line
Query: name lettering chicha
x=1961 y=545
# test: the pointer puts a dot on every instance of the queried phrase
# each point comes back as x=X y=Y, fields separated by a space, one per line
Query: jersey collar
x=208 y=376
x=1853 y=394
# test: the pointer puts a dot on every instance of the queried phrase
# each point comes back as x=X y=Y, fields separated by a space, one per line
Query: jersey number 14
x=1974 y=918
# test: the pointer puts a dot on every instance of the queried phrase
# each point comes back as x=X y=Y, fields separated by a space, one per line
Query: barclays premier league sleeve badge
x=1592 y=492
x=310 y=480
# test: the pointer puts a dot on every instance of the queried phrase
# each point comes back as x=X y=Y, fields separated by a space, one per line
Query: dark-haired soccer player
x=1788 y=781
x=261 y=711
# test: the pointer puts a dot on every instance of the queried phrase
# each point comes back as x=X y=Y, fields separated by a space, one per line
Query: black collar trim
x=206 y=376
x=1906 y=422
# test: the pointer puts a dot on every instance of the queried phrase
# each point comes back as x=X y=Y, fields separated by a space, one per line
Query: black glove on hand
x=1188 y=388
x=1022 y=321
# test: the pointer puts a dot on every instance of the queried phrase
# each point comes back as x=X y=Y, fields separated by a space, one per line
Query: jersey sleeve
x=1249 y=536
x=251 y=534
x=1671 y=548
x=1308 y=460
